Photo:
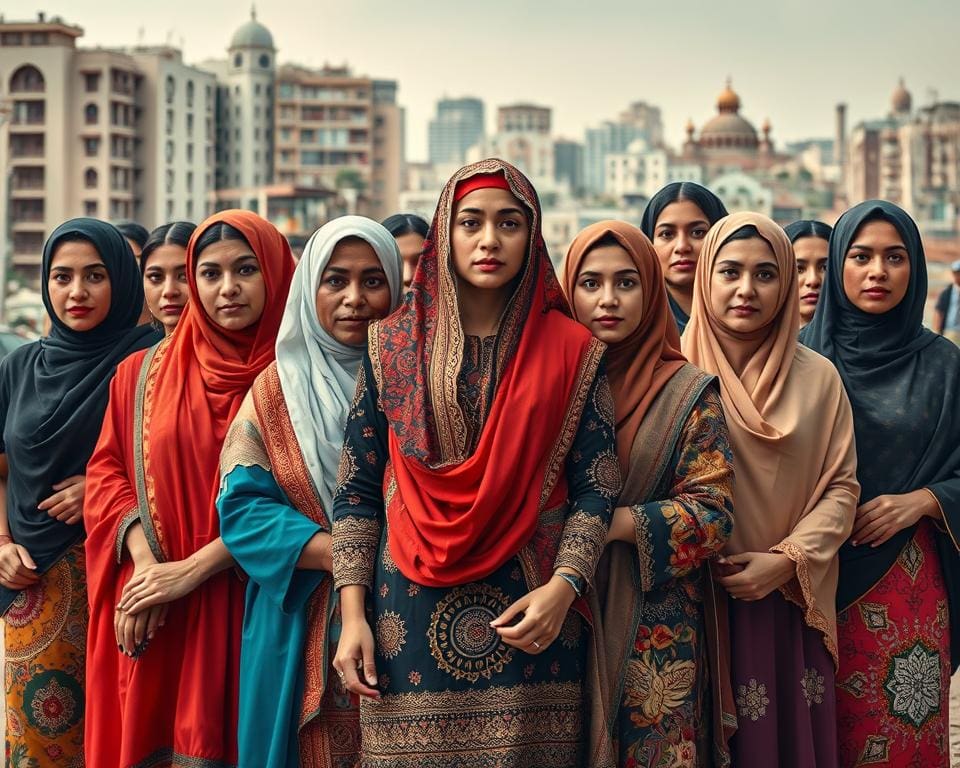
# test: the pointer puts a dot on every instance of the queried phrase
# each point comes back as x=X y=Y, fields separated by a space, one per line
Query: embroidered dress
x=453 y=693
x=893 y=682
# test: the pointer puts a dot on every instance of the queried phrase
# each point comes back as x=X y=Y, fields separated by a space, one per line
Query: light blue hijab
x=318 y=374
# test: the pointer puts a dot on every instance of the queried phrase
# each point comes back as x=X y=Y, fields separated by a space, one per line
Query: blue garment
x=266 y=535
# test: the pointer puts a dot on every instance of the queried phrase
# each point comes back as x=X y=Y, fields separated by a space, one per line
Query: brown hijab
x=791 y=429
x=641 y=365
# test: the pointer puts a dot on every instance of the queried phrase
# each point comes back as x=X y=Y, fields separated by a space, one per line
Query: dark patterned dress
x=453 y=693
x=665 y=717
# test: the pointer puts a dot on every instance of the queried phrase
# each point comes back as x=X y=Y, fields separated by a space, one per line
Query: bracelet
x=574 y=581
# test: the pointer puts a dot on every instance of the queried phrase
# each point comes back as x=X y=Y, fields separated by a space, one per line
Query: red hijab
x=200 y=382
x=457 y=516
x=640 y=366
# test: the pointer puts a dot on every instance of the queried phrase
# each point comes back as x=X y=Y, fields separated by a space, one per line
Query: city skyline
x=793 y=78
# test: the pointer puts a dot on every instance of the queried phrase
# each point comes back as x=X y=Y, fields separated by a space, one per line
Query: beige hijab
x=791 y=429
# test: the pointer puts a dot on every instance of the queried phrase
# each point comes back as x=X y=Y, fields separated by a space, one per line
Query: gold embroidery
x=348 y=466
x=242 y=447
x=584 y=537
x=752 y=700
x=533 y=724
x=603 y=402
x=355 y=541
x=604 y=473
x=641 y=526
x=805 y=600
x=460 y=636
x=391 y=634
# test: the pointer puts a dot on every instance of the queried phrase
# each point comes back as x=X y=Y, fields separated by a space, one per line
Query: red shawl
x=158 y=457
x=456 y=516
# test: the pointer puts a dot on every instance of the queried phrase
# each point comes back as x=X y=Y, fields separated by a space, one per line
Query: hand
x=158 y=583
x=355 y=653
x=760 y=574
x=543 y=609
x=17 y=569
x=134 y=632
x=882 y=517
x=66 y=505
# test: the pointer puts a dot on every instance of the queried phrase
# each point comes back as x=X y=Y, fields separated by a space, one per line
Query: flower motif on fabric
x=913 y=684
x=657 y=690
x=874 y=616
x=391 y=634
x=752 y=700
x=26 y=606
x=604 y=473
x=53 y=702
x=812 y=684
x=876 y=751
x=911 y=559
x=414 y=677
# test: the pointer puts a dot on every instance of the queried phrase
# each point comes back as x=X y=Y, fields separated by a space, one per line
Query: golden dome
x=901 y=99
x=728 y=101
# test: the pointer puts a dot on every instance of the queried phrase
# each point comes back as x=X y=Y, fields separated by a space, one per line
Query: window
x=27 y=79
x=169 y=152
x=189 y=153
x=91 y=84
x=170 y=180
x=91 y=114
x=238 y=60
x=264 y=61
x=189 y=180
x=169 y=121
x=189 y=209
x=189 y=122
x=90 y=178
x=257 y=89
x=171 y=88
x=190 y=93
x=169 y=210
x=90 y=208
x=286 y=90
x=256 y=133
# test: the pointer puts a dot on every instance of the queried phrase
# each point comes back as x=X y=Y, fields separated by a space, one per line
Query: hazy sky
x=790 y=61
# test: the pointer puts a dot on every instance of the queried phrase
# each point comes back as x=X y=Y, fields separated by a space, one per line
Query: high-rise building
x=523 y=139
x=568 y=164
x=639 y=121
x=95 y=132
x=459 y=125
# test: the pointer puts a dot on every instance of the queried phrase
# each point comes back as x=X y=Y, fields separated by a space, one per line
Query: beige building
x=339 y=130
x=114 y=134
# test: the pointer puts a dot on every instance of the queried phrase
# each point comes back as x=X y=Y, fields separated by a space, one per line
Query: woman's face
x=677 y=238
x=489 y=237
x=811 y=253
x=353 y=291
x=608 y=296
x=876 y=269
x=411 y=246
x=230 y=284
x=79 y=285
x=744 y=285
x=165 y=284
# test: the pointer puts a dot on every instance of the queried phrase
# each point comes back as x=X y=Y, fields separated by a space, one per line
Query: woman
x=279 y=473
x=791 y=432
x=480 y=410
x=410 y=231
x=809 y=238
x=53 y=393
x=166 y=606
x=673 y=515
x=899 y=572
x=163 y=263
x=676 y=220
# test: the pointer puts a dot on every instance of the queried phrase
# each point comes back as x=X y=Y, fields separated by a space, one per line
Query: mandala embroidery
x=460 y=636
x=53 y=703
x=391 y=634
x=913 y=685
x=813 y=687
x=752 y=700
x=604 y=473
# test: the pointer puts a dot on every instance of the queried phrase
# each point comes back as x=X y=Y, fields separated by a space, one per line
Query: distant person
x=137 y=236
x=809 y=238
x=946 y=314
x=676 y=220
x=163 y=264
x=409 y=230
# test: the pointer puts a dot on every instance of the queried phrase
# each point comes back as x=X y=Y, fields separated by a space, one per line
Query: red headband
x=480 y=181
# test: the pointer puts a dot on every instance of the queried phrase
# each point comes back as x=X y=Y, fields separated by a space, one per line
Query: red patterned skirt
x=893 y=685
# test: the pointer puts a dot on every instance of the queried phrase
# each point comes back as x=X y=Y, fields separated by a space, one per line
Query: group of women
x=418 y=500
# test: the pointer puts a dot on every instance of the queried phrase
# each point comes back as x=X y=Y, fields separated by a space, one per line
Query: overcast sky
x=790 y=61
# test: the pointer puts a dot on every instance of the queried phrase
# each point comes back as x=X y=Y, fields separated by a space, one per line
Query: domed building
x=728 y=140
x=901 y=100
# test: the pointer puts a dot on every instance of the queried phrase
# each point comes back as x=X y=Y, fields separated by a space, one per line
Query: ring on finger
x=536 y=645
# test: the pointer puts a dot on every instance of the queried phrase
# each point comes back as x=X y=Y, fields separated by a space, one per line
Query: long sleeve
x=676 y=535
x=358 y=506
x=594 y=481
x=947 y=494
x=264 y=532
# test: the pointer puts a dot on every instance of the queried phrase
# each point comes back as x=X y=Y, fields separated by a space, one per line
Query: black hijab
x=53 y=394
x=903 y=382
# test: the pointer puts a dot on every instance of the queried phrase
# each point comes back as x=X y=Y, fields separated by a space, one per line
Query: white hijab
x=318 y=374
